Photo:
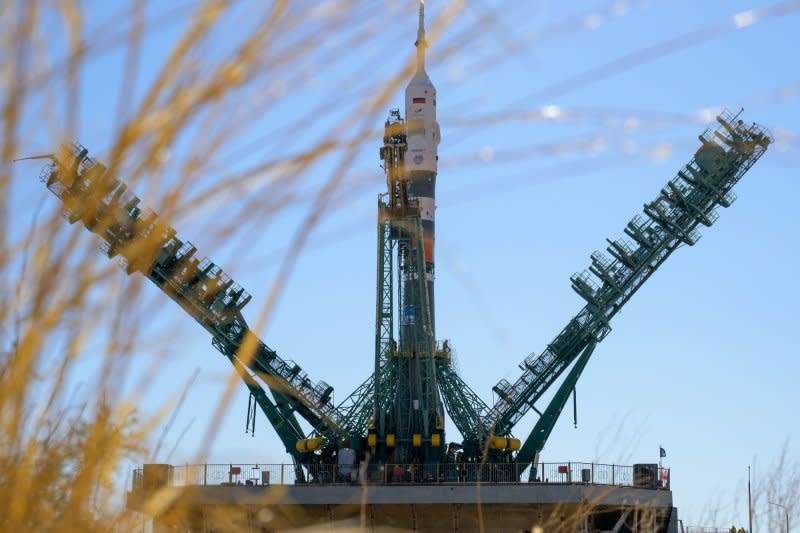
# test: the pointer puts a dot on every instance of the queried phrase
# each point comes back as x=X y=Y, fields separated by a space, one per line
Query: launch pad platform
x=220 y=498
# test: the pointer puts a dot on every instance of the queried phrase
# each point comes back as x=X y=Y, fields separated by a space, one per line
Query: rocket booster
x=421 y=159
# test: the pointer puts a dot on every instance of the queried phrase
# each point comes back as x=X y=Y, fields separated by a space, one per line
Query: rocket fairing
x=421 y=158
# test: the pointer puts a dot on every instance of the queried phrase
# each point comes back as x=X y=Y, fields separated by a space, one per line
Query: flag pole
x=750 y=504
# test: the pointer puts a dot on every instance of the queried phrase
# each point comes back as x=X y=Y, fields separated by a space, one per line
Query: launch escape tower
x=396 y=416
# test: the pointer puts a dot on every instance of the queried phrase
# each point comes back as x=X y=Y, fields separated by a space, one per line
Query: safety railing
x=642 y=476
x=706 y=529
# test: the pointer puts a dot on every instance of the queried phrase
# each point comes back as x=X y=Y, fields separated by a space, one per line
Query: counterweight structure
x=397 y=415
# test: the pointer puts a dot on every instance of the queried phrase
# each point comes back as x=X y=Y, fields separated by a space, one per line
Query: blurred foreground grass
x=68 y=320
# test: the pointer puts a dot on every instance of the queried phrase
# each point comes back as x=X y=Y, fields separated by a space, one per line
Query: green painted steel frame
x=547 y=420
x=384 y=375
x=107 y=208
x=686 y=202
x=467 y=410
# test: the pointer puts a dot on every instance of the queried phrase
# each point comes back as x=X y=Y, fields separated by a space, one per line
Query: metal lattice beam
x=671 y=220
x=149 y=245
x=464 y=406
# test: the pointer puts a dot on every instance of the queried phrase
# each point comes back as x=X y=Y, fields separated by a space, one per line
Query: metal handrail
x=444 y=473
x=707 y=529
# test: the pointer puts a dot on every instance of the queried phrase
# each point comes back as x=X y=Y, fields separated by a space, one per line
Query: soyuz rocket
x=421 y=158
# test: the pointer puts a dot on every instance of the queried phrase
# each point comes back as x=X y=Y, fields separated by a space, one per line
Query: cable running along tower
x=396 y=416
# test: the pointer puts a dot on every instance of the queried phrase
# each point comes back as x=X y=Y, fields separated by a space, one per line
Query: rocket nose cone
x=419 y=78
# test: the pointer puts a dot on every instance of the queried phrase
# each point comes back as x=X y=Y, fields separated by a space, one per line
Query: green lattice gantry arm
x=147 y=244
x=671 y=219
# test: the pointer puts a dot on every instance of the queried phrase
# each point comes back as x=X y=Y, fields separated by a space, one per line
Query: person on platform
x=398 y=474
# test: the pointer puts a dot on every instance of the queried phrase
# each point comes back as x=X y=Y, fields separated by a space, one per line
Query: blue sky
x=594 y=106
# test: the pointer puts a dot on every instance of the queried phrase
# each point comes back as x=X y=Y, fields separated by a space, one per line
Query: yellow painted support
x=498 y=443
x=308 y=445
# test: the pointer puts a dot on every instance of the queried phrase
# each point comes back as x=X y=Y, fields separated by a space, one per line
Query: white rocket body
x=422 y=155
x=423 y=130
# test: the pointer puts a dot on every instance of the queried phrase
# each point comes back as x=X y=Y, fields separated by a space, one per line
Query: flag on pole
x=662 y=452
